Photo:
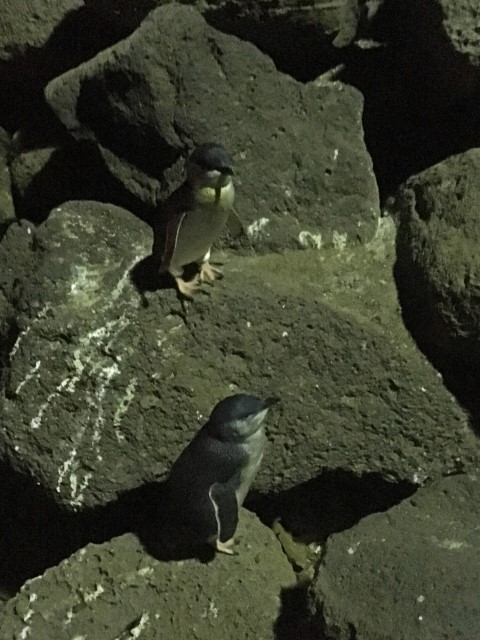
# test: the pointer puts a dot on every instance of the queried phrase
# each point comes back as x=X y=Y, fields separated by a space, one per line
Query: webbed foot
x=188 y=287
x=225 y=547
x=209 y=273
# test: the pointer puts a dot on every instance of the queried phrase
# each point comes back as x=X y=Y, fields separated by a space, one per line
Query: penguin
x=209 y=481
x=194 y=216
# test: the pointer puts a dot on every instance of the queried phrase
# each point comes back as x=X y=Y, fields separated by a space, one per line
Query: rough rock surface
x=37 y=26
x=40 y=39
x=43 y=177
x=7 y=211
x=460 y=21
x=304 y=175
x=102 y=391
x=113 y=589
x=408 y=574
x=287 y=30
x=438 y=263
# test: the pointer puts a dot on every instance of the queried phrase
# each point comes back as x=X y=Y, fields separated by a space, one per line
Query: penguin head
x=209 y=165
x=238 y=417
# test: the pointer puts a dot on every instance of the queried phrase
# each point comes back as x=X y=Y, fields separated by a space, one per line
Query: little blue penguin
x=194 y=216
x=210 y=479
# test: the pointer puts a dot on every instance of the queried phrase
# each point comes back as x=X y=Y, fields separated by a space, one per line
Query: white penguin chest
x=202 y=226
x=254 y=447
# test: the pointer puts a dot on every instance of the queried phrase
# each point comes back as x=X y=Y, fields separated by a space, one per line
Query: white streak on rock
x=255 y=229
x=339 y=240
x=16 y=344
x=310 y=240
x=41 y=314
x=91 y=358
x=90 y=596
x=33 y=371
x=124 y=403
x=37 y=420
x=136 y=631
x=78 y=489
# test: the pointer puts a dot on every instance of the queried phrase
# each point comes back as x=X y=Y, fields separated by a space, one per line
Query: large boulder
x=304 y=174
x=107 y=379
x=117 y=590
x=39 y=40
x=408 y=574
x=438 y=262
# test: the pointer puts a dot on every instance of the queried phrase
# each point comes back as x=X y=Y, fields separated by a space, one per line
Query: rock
x=7 y=210
x=104 y=386
x=44 y=177
x=30 y=26
x=438 y=265
x=39 y=40
x=275 y=29
x=304 y=175
x=408 y=574
x=109 y=590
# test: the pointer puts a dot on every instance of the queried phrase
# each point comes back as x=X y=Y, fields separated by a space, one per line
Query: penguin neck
x=238 y=432
x=221 y=197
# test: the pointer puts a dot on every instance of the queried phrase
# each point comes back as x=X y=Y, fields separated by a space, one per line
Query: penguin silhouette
x=209 y=481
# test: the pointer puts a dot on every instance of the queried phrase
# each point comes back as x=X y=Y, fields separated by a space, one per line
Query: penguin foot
x=209 y=273
x=225 y=547
x=188 y=288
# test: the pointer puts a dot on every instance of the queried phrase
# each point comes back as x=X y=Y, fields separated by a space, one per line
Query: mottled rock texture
x=113 y=589
x=438 y=262
x=303 y=173
x=40 y=39
x=104 y=386
x=408 y=574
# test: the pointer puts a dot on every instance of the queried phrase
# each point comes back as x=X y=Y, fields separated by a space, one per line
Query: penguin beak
x=261 y=415
x=228 y=171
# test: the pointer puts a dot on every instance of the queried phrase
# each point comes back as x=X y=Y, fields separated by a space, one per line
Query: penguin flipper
x=225 y=504
x=167 y=225
x=171 y=236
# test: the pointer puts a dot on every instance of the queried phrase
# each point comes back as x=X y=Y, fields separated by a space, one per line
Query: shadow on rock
x=333 y=502
x=460 y=372
x=37 y=533
x=145 y=277
x=44 y=178
x=77 y=37
x=295 y=620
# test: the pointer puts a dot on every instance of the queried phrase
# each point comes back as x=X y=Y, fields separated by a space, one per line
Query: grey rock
x=273 y=27
x=460 y=21
x=111 y=590
x=39 y=40
x=408 y=574
x=30 y=25
x=304 y=174
x=7 y=210
x=43 y=177
x=438 y=264
x=103 y=389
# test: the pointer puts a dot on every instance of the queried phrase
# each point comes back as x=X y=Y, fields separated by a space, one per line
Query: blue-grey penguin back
x=209 y=480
